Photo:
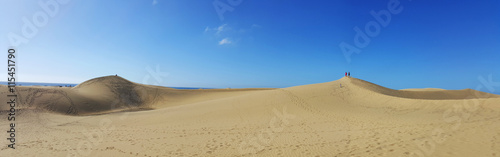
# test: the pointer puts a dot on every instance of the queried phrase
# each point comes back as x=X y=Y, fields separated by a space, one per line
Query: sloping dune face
x=346 y=117
x=423 y=94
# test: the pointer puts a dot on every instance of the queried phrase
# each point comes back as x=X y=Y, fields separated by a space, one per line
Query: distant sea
x=72 y=85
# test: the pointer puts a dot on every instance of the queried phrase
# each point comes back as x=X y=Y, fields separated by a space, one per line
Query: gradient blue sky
x=441 y=44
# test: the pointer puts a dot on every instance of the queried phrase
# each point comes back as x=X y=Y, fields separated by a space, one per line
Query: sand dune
x=111 y=94
x=433 y=94
x=358 y=118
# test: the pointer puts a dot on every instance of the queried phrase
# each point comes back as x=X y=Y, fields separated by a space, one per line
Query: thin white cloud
x=225 y=34
x=155 y=2
x=225 y=41
x=221 y=28
x=217 y=30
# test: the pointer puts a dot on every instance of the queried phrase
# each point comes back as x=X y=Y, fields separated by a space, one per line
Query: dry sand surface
x=111 y=116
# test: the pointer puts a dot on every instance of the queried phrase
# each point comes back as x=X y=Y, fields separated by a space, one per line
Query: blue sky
x=440 y=44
